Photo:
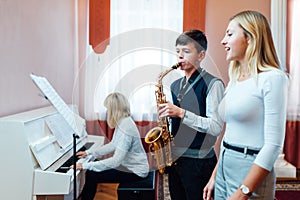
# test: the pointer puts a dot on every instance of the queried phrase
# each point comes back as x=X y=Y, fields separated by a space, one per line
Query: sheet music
x=61 y=130
x=74 y=120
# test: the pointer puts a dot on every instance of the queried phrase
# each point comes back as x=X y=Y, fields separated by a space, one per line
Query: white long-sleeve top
x=255 y=115
x=127 y=150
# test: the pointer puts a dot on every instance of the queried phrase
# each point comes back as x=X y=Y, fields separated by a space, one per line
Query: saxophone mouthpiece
x=176 y=65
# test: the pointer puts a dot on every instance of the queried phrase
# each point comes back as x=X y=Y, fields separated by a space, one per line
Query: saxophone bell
x=156 y=145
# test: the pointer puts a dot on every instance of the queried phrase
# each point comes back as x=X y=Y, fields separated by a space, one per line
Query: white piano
x=35 y=145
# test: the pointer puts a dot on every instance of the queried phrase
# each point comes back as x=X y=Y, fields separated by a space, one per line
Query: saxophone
x=159 y=138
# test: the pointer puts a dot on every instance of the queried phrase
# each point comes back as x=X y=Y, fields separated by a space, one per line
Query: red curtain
x=99 y=24
x=291 y=145
x=194 y=14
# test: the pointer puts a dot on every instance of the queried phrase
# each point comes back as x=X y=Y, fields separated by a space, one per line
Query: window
x=294 y=59
x=140 y=48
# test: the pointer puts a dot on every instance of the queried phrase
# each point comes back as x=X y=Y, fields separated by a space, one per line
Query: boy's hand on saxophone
x=170 y=110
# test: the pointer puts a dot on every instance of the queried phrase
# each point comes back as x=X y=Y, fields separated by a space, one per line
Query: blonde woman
x=129 y=161
x=254 y=109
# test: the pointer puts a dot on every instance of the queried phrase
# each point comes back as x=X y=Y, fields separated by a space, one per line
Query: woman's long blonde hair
x=260 y=53
x=117 y=108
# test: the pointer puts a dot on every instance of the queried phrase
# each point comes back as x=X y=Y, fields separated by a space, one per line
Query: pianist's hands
x=78 y=166
x=81 y=154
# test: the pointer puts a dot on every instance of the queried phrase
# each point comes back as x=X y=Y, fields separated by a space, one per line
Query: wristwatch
x=245 y=190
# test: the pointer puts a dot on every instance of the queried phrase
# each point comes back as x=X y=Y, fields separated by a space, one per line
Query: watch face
x=245 y=190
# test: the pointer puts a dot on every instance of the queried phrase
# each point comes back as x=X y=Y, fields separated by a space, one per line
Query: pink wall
x=36 y=37
x=217 y=17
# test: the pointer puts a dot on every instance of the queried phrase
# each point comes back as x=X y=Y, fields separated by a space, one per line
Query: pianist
x=129 y=160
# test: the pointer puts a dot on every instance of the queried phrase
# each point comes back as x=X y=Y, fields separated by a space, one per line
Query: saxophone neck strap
x=184 y=83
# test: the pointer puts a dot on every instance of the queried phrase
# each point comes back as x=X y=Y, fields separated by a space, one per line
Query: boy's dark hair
x=195 y=36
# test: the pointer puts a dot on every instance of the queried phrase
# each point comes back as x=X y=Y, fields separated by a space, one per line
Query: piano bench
x=140 y=190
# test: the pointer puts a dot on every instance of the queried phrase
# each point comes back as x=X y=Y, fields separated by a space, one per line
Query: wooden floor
x=107 y=191
x=104 y=192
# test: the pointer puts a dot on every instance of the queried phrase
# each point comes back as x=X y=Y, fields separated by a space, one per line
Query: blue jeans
x=233 y=168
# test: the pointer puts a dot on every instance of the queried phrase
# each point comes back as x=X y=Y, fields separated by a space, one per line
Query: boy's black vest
x=193 y=100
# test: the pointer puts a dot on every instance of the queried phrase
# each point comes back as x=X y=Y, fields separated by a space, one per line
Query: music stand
x=74 y=164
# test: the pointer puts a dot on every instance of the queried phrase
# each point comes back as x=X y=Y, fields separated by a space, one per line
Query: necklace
x=244 y=75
